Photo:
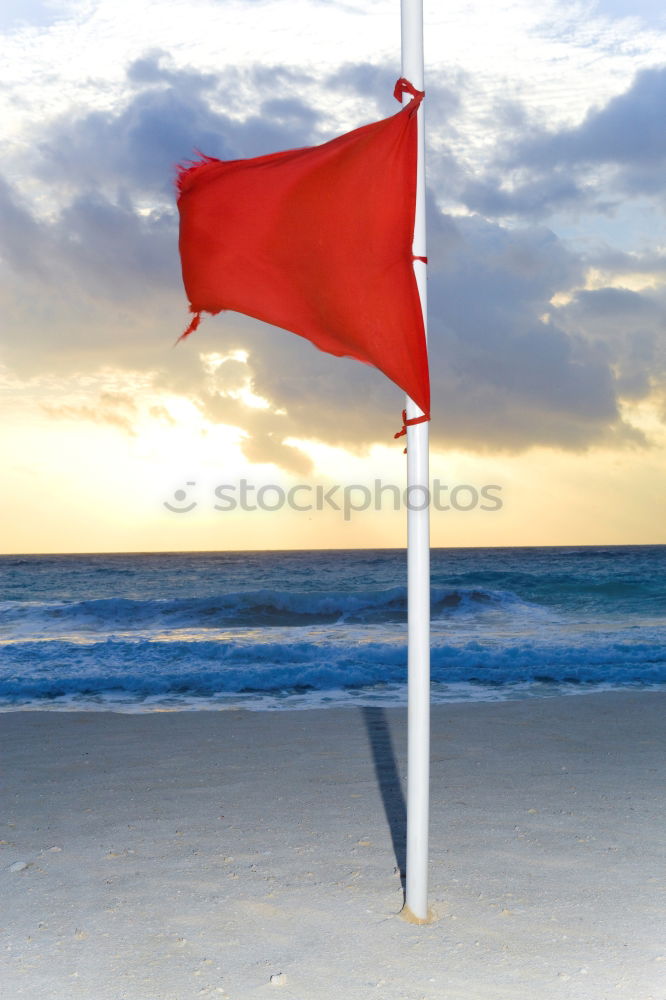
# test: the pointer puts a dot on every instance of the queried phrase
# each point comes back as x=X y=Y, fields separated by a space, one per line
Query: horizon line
x=385 y=548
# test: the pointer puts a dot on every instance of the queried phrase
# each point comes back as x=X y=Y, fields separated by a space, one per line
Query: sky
x=546 y=156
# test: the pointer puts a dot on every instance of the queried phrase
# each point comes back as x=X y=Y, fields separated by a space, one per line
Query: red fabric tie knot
x=403 y=86
x=423 y=419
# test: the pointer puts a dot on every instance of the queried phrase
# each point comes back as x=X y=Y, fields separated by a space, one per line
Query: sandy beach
x=169 y=856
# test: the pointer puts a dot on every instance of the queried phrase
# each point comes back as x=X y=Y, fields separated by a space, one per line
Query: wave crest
x=255 y=608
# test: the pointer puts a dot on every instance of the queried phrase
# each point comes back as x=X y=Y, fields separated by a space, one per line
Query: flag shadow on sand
x=388 y=779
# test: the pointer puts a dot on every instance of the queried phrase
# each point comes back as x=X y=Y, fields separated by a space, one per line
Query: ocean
x=278 y=630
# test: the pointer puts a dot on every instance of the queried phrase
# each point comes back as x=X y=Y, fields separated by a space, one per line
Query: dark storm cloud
x=98 y=283
x=506 y=374
x=631 y=325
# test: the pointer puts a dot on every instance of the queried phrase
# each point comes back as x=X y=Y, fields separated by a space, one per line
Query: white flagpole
x=418 y=535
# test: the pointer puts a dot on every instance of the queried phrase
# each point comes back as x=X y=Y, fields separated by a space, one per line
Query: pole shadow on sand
x=388 y=779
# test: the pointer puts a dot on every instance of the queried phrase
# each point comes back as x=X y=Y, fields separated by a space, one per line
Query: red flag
x=317 y=241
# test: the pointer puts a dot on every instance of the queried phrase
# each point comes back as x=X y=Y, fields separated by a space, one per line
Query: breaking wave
x=250 y=608
x=55 y=669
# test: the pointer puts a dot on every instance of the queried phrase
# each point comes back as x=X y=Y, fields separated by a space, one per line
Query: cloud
x=507 y=375
x=631 y=327
x=172 y=114
x=536 y=198
x=116 y=409
x=617 y=150
x=650 y=263
x=97 y=282
x=22 y=239
x=629 y=130
x=268 y=448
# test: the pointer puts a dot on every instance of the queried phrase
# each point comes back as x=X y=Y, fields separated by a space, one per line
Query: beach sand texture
x=171 y=856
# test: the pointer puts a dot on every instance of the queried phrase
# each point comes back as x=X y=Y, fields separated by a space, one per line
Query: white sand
x=183 y=855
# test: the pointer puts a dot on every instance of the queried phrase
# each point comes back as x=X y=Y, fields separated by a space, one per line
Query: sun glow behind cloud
x=78 y=479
